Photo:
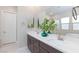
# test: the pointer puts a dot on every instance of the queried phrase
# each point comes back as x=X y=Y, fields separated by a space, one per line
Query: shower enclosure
x=7 y=27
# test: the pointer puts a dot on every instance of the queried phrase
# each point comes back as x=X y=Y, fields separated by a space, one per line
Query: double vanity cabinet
x=52 y=43
x=37 y=46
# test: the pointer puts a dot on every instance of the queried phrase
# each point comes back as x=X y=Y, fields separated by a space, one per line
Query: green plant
x=52 y=25
x=48 y=25
x=44 y=26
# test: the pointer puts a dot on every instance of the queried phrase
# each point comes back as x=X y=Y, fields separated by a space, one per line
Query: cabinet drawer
x=49 y=48
x=41 y=50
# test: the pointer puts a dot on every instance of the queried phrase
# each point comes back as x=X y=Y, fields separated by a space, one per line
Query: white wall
x=21 y=17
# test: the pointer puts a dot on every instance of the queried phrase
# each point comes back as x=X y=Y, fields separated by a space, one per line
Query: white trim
x=4 y=11
x=7 y=43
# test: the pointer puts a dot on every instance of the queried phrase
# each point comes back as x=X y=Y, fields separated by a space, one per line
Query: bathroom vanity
x=50 y=44
x=37 y=46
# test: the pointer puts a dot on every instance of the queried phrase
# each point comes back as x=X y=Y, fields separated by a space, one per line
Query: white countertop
x=65 y=45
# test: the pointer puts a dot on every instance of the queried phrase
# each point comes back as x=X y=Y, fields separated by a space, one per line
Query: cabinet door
x=36 y=50
x=33 y=44
x=30 y=43
x=36 y=45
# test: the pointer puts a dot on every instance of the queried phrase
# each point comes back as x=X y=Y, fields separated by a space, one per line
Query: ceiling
x=47 y=9
x=57 y=9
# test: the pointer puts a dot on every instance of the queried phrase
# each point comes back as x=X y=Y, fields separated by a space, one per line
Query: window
x=58 y=25
x=65 y=23
x=75 y=23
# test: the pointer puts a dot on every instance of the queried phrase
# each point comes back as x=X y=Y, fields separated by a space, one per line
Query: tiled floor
x=8 y=48
x=12 y=48
x=23 y=50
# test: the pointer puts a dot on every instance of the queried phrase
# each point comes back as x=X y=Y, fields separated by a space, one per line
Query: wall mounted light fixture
x=74 y=12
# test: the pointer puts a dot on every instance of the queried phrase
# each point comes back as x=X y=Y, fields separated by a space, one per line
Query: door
x=8 y=27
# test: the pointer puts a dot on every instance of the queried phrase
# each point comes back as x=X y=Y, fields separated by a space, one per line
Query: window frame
x=64 y=23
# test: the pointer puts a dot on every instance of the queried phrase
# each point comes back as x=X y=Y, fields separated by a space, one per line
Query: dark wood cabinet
x=37 y=46
x=49 y=48
x=30 y=43
x=42 y=50
x=33 y=44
